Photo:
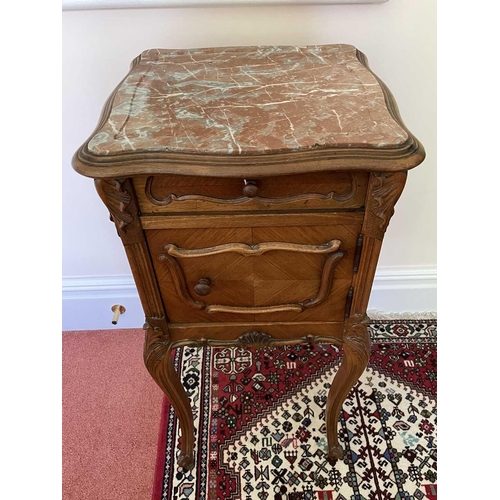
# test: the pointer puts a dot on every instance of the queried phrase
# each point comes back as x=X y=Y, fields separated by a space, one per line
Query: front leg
x=356 y=344
x=158 y=360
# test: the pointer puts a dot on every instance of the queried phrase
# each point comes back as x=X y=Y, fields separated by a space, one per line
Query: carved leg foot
x=356 y=343
x=157 y=357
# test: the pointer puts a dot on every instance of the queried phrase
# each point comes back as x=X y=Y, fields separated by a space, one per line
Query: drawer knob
x=203 y=287
x=250 y=189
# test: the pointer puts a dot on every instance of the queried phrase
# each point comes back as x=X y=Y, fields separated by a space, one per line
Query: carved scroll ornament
x=252 y=250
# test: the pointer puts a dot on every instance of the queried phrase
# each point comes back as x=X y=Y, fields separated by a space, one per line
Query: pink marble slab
x=247 y=101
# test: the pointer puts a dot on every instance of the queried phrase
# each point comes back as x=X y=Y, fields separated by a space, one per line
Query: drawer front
x=172 y=194
x=298 y=273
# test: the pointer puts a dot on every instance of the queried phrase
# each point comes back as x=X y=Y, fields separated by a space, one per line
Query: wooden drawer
x=269 y=273
x=322 y=190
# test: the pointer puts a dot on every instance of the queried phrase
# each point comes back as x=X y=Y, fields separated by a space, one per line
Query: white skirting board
x=87 y=300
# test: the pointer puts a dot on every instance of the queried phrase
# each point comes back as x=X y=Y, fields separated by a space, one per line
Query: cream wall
x=399 y=38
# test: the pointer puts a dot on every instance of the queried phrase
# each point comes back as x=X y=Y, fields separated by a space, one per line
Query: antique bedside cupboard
x=251 y=188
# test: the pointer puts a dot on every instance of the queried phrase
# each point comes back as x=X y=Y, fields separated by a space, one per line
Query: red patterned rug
x=259 y=416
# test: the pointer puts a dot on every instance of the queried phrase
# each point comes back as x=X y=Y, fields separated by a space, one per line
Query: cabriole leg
x=356 y=344
x=158 y=360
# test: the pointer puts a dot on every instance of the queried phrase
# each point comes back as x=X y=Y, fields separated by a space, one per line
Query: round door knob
x=250 y=189
x=203 y=287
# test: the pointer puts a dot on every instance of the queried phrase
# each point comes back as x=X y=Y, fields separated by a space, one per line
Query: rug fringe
x=378 y=315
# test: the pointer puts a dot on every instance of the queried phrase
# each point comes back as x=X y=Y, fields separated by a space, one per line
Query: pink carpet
x=111 y=417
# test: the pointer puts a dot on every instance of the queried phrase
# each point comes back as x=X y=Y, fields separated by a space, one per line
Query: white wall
x=399 y=38
x=127 y=4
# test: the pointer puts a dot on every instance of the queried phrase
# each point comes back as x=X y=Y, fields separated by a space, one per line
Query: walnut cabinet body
x=255 y=246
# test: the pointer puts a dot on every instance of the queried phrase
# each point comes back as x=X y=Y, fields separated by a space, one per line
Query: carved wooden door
x=291 y=273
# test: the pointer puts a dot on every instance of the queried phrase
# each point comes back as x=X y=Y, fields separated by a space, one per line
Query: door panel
x=294 y=273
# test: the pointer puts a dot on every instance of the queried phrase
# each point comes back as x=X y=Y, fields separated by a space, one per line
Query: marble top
x=247 y=101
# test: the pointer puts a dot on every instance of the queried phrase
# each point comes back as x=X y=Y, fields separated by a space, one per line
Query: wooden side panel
x=119 y=197
x=327 y=190
x=383 y=192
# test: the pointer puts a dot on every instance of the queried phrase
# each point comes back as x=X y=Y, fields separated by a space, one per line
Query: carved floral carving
x=253 y=340
x=156 y=341
x=116 y=200
x=385 y=191
x=356 y=341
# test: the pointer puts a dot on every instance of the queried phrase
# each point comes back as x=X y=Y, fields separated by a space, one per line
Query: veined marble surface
x=248 y=100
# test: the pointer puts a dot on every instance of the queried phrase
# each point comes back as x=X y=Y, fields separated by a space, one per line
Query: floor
x=111 y=416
